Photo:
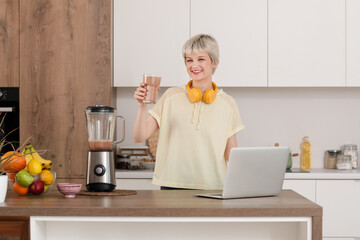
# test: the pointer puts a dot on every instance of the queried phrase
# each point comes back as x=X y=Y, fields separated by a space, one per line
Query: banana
x=46 y=164
x=27 y=154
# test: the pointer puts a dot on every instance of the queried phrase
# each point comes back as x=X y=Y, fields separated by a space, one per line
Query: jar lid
x=100 y=108
x=334 y=152
x=344 y=158
x=350 y=146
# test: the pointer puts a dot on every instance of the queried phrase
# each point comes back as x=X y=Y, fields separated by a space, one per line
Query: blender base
x=100 y=187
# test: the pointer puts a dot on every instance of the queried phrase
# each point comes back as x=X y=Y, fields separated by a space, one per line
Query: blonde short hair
x=202 y=42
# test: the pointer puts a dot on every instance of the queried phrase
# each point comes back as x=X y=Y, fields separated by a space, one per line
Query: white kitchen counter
x=133 y=173
x=316 y=173
x=322 y=173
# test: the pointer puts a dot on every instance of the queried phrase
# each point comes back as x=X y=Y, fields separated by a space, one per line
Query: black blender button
x=99 y=170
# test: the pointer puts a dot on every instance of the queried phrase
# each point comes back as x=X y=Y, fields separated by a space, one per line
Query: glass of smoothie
x=152 y=84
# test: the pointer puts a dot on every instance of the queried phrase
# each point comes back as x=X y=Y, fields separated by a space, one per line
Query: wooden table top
x=159 y=203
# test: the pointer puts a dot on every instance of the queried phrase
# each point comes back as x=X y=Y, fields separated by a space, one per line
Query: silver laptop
x=254 y=172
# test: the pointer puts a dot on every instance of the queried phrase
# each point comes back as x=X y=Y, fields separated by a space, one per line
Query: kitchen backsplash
x=329 y=116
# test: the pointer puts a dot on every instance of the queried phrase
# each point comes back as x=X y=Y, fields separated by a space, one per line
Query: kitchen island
x=172 y=214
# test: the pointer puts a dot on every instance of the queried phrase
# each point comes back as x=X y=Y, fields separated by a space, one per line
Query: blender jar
x=100 y=120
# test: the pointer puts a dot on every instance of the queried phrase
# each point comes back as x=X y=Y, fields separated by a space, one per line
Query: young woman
x=198 y=123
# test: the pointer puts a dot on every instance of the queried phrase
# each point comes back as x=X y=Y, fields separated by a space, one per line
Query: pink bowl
x=69 y=189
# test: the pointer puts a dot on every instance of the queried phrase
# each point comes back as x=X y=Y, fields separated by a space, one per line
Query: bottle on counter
x=351 y=149
x=305 y=153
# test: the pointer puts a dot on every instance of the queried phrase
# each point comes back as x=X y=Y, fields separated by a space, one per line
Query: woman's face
x=199 y=66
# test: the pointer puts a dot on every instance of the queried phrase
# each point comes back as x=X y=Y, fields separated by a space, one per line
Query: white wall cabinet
x=340 y=200
x=353 y=43
x=306 y=41
x=240 y=28
x=148 y=38
x=149 y=35
x=275 y=43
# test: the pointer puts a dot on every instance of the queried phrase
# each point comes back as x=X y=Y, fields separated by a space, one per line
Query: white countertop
x=316 y=173
x=133 y=173
x=322 y=173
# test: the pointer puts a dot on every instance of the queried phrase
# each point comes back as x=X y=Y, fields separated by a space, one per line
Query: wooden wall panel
x=9 y=43
x=65 y=63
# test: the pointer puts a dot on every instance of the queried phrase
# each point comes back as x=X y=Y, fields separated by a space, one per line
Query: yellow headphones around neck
x=195 y=94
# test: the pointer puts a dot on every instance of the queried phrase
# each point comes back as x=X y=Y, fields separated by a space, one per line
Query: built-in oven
x=9 y=118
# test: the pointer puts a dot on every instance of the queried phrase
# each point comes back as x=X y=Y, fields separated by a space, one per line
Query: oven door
x=9 y=119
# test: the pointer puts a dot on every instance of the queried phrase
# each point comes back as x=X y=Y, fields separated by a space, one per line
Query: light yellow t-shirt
x=192 y=139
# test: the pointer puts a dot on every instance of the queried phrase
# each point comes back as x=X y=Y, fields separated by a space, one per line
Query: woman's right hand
x=140 y=93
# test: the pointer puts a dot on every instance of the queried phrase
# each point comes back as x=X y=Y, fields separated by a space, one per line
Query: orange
x=13 y=162
x=47 y=177
x=21 y=190
x=11 y=176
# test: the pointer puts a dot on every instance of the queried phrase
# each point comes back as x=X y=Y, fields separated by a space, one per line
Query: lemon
x=47 y=177
x=34 y=167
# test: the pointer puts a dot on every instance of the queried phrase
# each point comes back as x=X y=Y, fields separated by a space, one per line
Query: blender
x=100 y=121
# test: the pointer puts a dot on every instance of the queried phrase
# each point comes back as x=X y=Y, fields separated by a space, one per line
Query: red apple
x=37 y=187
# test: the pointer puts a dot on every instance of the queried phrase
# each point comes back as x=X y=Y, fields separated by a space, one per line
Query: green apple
x=24 y=178
x=46 y=188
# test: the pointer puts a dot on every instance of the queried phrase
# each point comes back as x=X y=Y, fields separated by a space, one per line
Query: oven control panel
x=3 y=94
x=9 y=94
x=9 y=103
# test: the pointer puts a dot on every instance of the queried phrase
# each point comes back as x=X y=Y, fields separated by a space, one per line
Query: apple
x=37 y=187
x=24 y=178
x=46 y=188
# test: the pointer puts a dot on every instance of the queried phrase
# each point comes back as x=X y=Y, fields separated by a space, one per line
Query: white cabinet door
x=352 y=43
x=339 y=239
x=305 y=188
x=240 y=27
x=306 y=43
x=148 y=38
x=340 y=200
x=135 y=184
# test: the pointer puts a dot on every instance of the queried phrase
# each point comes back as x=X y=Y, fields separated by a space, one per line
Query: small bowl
x=69 y=189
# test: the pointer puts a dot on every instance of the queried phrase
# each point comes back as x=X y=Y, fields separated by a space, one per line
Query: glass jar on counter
x=351 y=149
x=344 y=162
x=122 y=161
x=331 y=158
x=135 y=163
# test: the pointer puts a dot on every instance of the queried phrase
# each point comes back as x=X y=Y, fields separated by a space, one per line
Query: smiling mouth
x=196 y=72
